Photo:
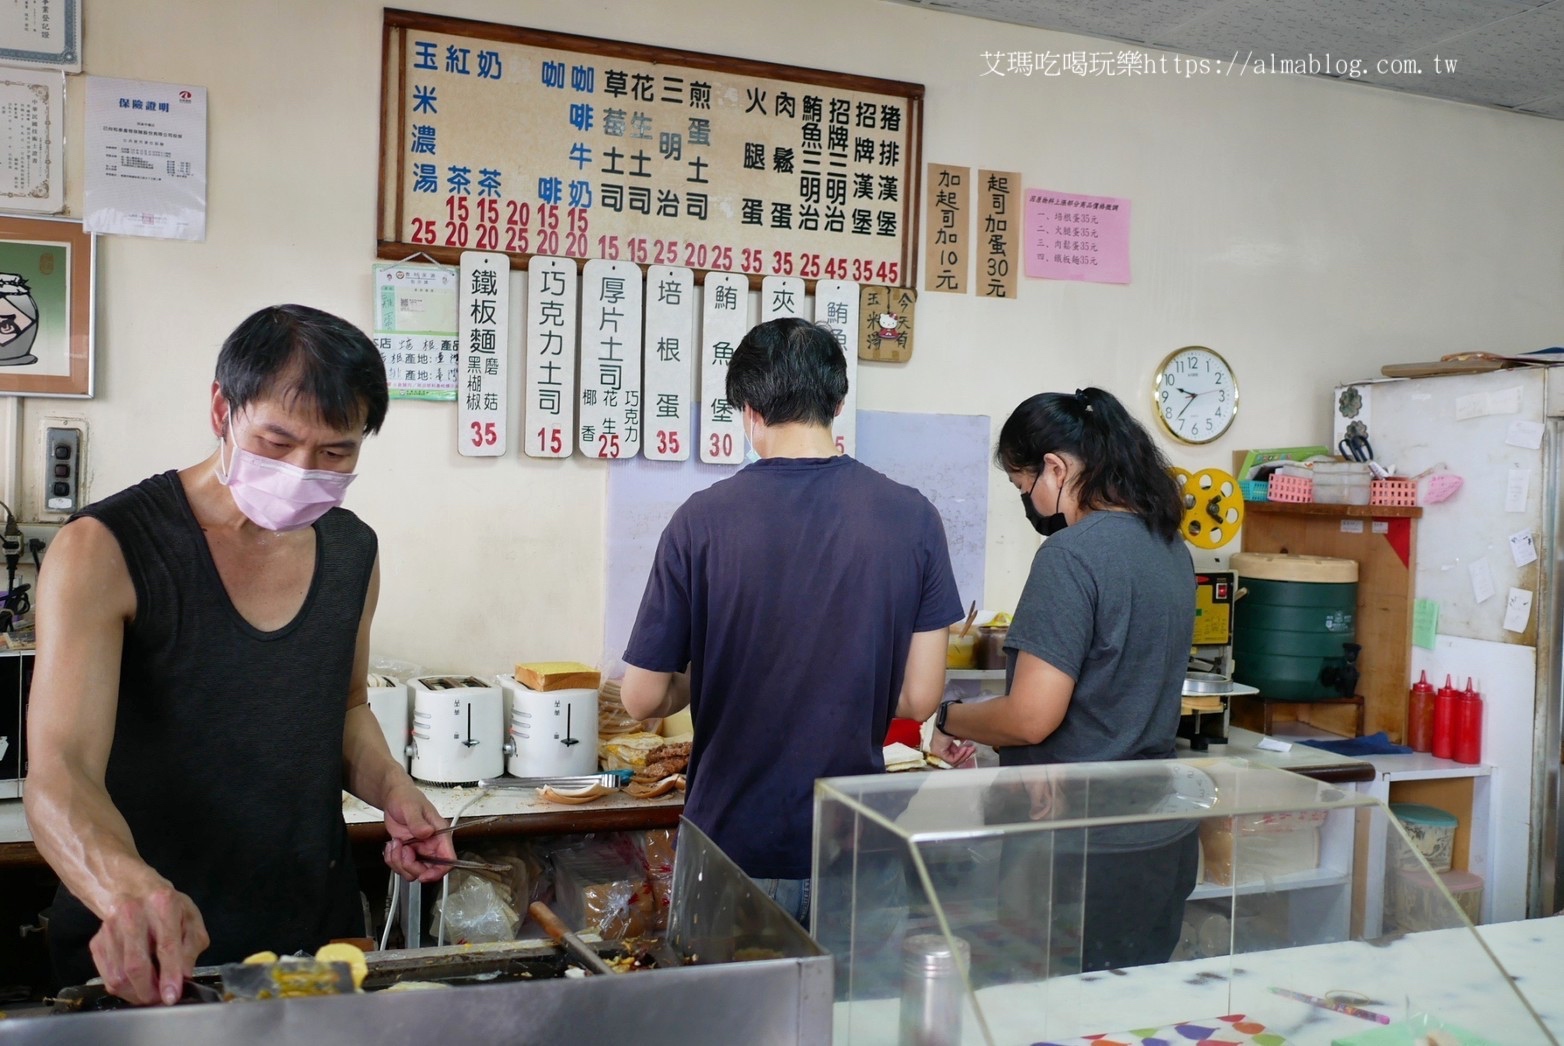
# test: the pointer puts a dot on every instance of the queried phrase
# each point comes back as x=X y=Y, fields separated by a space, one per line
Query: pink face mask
x=275 y=495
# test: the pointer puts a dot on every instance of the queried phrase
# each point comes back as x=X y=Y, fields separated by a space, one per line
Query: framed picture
x=46 y=307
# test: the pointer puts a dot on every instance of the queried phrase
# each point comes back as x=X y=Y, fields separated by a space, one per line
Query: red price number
x=667 y=442
x=551 y=441
x=484 y=433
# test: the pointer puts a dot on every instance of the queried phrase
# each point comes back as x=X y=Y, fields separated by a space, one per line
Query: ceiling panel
x=1507 y=53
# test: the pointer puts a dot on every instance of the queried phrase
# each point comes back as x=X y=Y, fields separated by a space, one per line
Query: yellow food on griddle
x=261 y=958
x=351 y=954
x=416 y=986
x=303 y=977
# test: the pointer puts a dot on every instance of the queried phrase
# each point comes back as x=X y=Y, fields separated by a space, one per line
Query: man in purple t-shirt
x=796 y=607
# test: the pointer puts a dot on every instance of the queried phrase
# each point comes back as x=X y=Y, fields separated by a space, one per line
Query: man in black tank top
x=200 y=696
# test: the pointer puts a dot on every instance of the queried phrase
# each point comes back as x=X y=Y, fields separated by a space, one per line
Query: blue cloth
x=791 y=590
x=1373 y=744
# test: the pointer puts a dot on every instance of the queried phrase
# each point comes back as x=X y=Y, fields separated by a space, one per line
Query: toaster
x=553 y=733
x=458 y=730
x=389 y=702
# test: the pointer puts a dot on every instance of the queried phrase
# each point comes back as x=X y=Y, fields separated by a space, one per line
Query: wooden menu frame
x=484 y=128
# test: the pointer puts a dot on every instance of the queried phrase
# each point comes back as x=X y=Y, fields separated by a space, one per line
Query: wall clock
x=1195 y=394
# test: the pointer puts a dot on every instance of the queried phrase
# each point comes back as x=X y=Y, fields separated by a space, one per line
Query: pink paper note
x=1441 y=487
x=1075 y=237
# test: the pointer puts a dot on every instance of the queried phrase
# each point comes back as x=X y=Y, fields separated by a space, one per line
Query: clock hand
x=1187 y=402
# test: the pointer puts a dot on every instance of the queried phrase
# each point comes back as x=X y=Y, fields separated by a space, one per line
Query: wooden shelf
x=1387 y=563
x=1259 y=713
x=1312 y=508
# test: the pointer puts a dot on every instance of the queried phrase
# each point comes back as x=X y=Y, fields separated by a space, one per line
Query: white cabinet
x=1464 y=791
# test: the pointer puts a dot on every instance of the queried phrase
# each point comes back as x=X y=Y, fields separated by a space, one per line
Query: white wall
x=1309 y=231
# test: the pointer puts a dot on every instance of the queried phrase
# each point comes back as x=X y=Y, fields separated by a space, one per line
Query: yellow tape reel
x=1213 y=507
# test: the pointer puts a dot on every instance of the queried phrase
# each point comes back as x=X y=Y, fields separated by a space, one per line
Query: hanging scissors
x=1359 y=449
x=1356 y=448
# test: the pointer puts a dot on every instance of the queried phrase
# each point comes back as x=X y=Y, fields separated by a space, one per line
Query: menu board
x=506 y=139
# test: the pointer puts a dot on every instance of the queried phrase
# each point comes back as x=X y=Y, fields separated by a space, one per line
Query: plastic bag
x=612 y=719
x=597 y=888
x=652 y=850
x=392 y=671
x=474 y=911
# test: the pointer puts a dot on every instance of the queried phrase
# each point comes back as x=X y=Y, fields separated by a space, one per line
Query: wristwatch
x=939 y=717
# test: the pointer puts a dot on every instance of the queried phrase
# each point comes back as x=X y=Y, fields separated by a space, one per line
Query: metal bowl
x=1206 y=683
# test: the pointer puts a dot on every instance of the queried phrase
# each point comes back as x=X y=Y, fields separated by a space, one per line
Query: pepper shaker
x=933 y=989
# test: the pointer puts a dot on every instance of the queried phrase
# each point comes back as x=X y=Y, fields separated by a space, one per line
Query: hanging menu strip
x=552 y=289
x=482 y=324
x=836 y=309
x=998 y=233
x=611 y=311
x=669 y=363
x=949 y=245
x=782 y=297
x=502 y=138
x=724 y=323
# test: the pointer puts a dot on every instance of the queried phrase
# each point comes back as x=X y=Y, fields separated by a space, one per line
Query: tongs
x=472 y=866
x=474 y=823
x=608 y=779
x=452 y=862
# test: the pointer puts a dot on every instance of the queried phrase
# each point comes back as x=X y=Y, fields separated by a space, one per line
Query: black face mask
x=1044 y=525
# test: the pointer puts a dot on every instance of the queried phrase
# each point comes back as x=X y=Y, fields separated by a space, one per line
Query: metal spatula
x=578 y=949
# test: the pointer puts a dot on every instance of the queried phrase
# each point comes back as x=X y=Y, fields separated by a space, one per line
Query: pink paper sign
x=1074 y=237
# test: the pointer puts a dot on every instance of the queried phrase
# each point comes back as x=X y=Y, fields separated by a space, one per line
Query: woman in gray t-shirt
x=1097 y=653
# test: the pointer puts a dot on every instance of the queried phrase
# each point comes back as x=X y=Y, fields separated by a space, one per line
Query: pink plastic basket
x=1290 y=488
x=1393 y=491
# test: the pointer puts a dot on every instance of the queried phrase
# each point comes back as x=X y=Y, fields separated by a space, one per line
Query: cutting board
x=1434 y=367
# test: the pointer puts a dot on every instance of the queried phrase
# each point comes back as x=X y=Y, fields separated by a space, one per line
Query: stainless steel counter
x=720 y=922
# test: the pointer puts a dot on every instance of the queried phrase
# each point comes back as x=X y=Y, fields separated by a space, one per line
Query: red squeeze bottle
x=1444 y=721
x=1420 y=715
x=1469 y=726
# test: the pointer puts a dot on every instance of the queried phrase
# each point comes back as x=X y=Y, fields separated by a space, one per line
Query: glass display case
x=1171 y=901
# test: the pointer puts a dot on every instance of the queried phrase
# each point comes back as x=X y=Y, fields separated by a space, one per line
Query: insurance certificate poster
x=145 y=159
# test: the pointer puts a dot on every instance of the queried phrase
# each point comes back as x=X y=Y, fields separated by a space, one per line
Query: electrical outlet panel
x=43 y=533
x=62 y=470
